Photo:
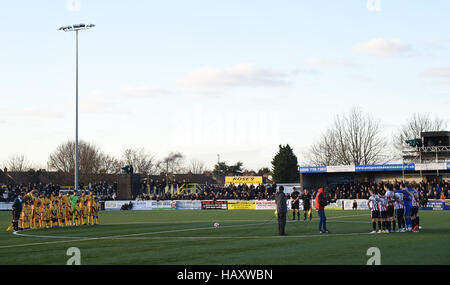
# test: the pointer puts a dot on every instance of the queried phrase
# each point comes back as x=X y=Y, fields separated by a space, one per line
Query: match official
x=280 y=199
x=16 y=211
x=295 y=205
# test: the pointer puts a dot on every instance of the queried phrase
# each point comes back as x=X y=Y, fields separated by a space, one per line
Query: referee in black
x=16 y=211
x=295 y=205
x=306 y=197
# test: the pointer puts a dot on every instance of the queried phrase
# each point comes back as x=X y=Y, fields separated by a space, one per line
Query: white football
x=216 y=225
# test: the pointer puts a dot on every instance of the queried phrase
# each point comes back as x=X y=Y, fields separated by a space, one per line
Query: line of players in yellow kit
x=50 y=211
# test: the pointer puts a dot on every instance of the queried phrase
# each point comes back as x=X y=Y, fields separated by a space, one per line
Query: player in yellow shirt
x=34 y=208
x=37 y=215
x=65 y=198
x=83 y=203
x=54 y=214
x=42 y=198
x=46 y=216
x=51 y=198
x=83 y=212
x=40 y=206
x=48 y=199
x=29 y=196
x=62 y=214
x=68 y=216
x=82 y=197
x=26 y=214
x=89 y=203
x=77 y=214
x=95 y=209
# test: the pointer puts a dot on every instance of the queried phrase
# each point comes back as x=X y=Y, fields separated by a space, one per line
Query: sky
x=206 y=77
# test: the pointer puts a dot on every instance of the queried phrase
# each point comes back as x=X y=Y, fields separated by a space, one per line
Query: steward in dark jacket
x=16 y=211
x=280 y=199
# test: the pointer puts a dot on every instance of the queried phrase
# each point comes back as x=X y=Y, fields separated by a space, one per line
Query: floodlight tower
x=76 y=28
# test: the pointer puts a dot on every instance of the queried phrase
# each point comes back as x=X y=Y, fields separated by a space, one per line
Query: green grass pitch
x=184 y=237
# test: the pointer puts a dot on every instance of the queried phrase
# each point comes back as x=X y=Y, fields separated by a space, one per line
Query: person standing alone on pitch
x=355 y=205
x=16 y=211
x=295 y=200
x=320 y=203
x=306 y=197
x=280 y=199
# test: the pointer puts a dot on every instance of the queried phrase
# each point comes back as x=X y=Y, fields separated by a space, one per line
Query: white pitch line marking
x=246 y=237
x=75 y=239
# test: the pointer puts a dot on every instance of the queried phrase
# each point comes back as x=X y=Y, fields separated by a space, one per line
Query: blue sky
x=205 y=77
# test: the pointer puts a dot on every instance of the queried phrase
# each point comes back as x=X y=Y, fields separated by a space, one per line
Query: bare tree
x=142 y=161
x=63 y=158
x=414 y=127
x=18 y=163
x=173 y=163
x=324 y=152
x=196 y=167
x=354 y=138
x=110 y=165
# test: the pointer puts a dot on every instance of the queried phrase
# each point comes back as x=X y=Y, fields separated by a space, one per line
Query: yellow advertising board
x=241 y=205
x=243 y=180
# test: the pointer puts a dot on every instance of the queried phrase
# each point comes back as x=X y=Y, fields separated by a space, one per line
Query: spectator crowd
x=102 y=190
x=156 y=190
x=216 y=192
x=427 y=190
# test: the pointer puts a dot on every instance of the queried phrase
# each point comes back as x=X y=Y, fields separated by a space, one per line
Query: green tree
x=264 y=170
x=285 y=166
x=236 y=169
x=222 y=168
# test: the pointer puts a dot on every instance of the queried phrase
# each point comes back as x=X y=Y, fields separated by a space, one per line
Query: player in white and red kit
x=390 y=199
x=415 y=209
x=400 y=211
x=373 y=205
x=382 y=204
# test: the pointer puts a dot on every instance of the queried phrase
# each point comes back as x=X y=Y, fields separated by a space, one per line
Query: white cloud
x=43 y=114
x=381 y=47
x=442 y=73
x=437 y=73
x=102 y=101
x=315 y=63
x=35 y=113
x=305 y=71
x=361 y=77
x=240 y=75
x=144 y=92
